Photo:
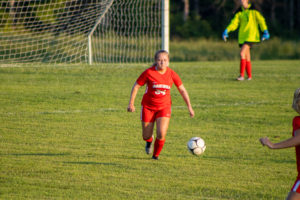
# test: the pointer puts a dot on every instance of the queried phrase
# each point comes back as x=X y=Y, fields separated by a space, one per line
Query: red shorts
x=148 y=115
x=296 y=186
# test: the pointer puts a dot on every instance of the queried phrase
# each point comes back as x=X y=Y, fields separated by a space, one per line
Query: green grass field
x=65 y=133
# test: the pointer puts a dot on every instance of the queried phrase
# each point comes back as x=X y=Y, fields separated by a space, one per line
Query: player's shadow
x=91 y=163
x=36 y=154
x=132 y=157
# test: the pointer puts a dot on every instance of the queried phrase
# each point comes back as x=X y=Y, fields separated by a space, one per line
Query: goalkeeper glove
x=225 y=35
x=265 y=35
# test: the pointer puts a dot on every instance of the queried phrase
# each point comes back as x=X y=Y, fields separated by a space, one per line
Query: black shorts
x=249 y=43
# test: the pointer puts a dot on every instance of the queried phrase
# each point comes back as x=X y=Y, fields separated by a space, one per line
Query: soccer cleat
x=249 y=78
x=154 y=158
x=148 y=147
x=240 y=78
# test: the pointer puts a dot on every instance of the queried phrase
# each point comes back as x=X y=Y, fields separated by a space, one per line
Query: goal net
x=79 y=31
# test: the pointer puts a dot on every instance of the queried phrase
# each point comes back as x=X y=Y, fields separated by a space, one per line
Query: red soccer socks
x=248 y=69
x=149 y=140
x=158 y=145
x=245 y=65
x=242 y=67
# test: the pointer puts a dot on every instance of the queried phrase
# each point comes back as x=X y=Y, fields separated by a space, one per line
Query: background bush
x=209 y=18
x=214 y=50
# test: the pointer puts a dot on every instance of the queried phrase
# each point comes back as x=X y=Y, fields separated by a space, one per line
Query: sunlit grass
x=65 y=133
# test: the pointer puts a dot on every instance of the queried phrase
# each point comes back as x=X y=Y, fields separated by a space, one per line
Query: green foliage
x=278 y=49
x=38 y=16
x=48 y=13
x=207 y=19
x=217 y=14
x=25 y=49
x=215 y=50
x=194 y=27
x=65 y=133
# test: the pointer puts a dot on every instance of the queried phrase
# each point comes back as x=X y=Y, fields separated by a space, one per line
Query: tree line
x=188 y=18
x=209 y=18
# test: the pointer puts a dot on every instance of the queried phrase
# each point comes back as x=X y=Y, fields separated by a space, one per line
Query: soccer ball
x=196 y=146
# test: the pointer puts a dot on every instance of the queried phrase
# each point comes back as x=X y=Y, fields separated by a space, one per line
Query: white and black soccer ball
x=196 y=146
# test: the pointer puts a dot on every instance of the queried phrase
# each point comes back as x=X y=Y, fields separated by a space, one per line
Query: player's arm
x=263 y=26
x=261 y=21
x=133 y=94
x=235 y=22
x=186 y=98
x=291 y=142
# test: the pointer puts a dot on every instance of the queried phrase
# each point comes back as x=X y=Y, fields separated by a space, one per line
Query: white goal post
x=165 y=25
x=82 y=31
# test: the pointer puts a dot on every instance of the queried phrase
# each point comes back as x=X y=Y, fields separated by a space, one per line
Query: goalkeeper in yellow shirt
x=250 y=22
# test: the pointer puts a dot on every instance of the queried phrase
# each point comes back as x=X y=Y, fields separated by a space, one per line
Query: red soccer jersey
x=296 y=126
x=157 y=95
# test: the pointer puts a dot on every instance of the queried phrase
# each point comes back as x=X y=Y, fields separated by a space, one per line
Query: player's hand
x=192 y=113
x=265 y=35
x=225 y=35
x=130 y=108
x=266 y=142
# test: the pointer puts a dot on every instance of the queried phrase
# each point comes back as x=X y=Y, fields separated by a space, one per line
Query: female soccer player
x=248 y=19
x=156 y=103
x=293 y=141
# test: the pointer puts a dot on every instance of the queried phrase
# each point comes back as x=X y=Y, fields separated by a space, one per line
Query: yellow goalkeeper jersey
x=248 y=21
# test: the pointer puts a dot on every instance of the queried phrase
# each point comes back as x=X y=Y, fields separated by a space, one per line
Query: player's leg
x=242 y=62
x=293 y=196
x=162 y=125
x=147 y=128
x=245 y=51
x=147 y=118
x=248 y=60
x=245 y=56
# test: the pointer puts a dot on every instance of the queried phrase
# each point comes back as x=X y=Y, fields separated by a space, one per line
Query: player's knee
x=293 y=196
x=146 y=137
x=161 y=135
x=243 y=54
